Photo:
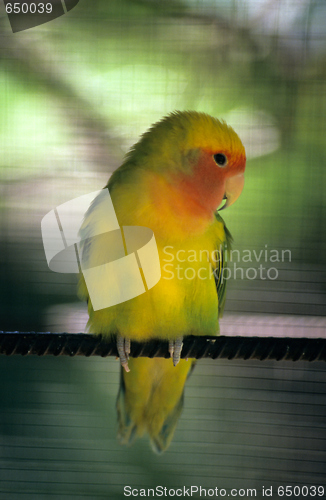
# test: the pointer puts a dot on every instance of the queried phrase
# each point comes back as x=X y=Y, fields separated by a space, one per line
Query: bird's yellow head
x=202 y=158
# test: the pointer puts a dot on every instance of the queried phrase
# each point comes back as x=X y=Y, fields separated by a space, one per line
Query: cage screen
x=76 y=94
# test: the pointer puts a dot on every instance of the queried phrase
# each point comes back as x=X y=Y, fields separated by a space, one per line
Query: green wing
x=223 y=250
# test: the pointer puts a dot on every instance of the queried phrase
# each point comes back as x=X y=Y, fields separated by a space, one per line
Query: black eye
x=220 y=159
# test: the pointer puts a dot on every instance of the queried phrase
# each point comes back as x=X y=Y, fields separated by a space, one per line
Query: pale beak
x=233 y=189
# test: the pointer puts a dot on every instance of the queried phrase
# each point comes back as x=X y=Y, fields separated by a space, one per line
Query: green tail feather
x=128 y=430
x=161 y=441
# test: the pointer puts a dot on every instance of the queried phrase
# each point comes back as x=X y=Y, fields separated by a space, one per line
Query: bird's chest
x=187 y=264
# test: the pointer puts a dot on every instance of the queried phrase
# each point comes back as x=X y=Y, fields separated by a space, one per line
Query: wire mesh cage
x=76 y=93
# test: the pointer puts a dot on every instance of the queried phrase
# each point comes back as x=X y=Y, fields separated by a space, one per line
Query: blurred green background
x=75 y=94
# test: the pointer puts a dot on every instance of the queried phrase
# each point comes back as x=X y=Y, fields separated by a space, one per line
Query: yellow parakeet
x=172 y=181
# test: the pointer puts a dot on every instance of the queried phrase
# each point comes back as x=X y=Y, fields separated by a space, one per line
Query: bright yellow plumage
x=172 y=182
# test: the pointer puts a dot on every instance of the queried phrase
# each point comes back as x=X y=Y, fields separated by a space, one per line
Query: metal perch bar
x=72 y=344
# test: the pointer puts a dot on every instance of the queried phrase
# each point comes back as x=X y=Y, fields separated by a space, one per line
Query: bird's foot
x=175 y=348
x=123 y=346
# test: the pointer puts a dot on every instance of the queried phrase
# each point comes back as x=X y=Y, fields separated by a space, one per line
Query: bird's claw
x=123 y=346
x=175 y=348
